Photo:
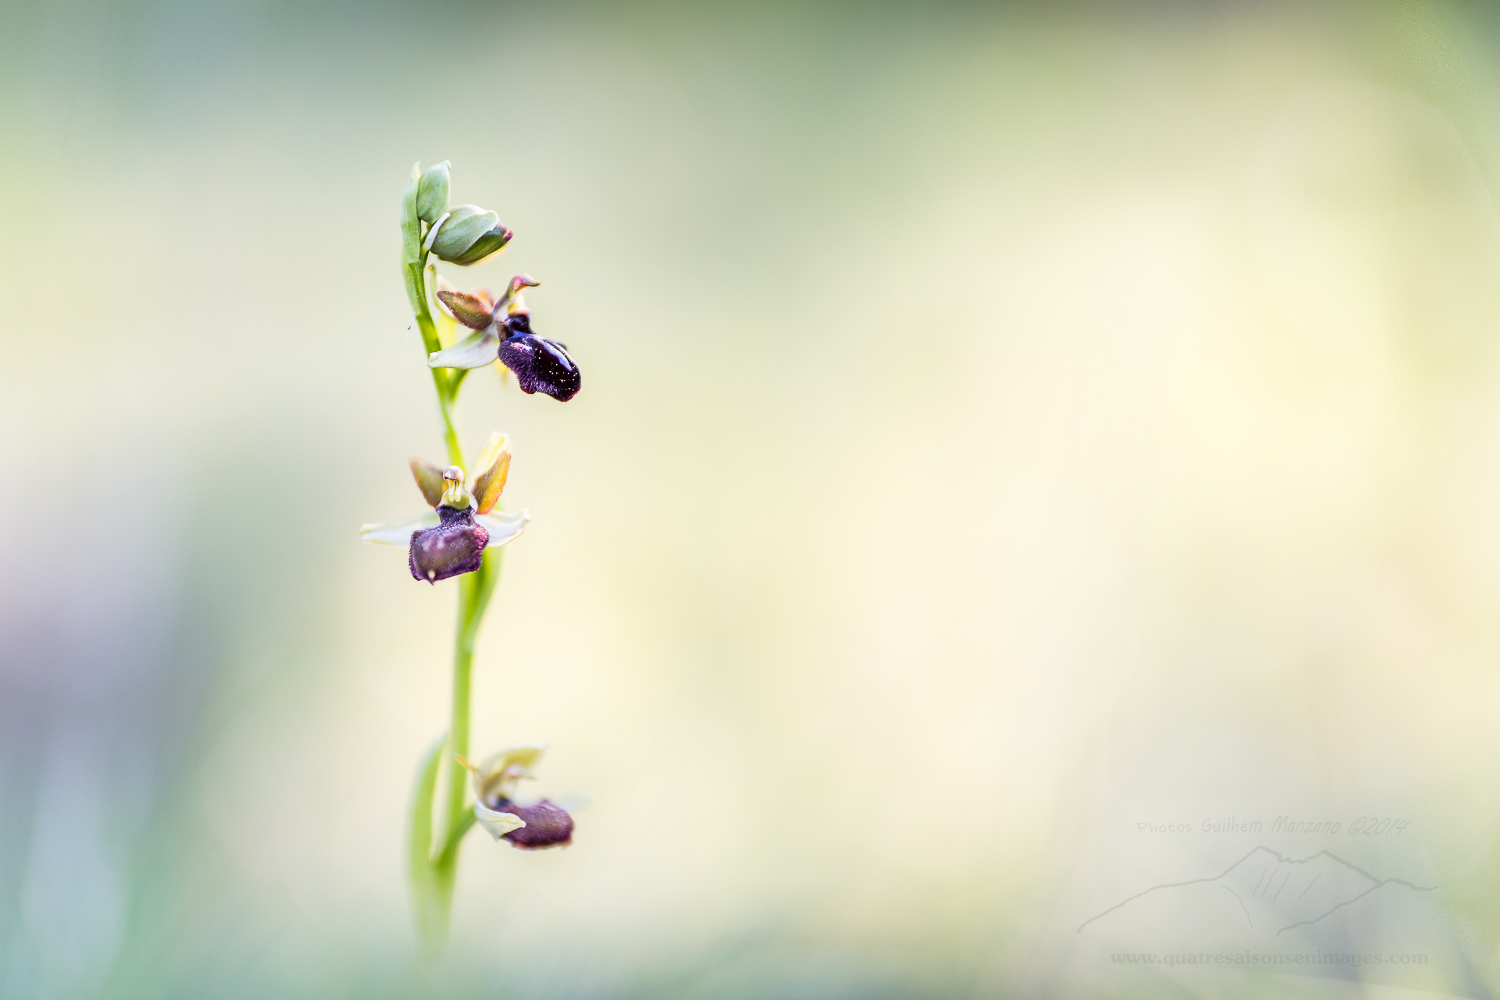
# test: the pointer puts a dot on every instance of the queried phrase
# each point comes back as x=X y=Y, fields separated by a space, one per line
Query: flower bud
x=432 y=193
x=468 y=235
x=454 y=547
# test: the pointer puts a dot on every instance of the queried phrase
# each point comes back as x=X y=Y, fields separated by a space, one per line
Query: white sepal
x=503 y=527
x=498 y=823
x=399 y=532
x=475 y=351
x=577 y=802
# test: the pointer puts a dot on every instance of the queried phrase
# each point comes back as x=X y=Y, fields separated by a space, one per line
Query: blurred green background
x=1003 y=429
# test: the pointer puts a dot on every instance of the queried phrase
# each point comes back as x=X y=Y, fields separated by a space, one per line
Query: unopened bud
x=468 y=235
x=432 y=193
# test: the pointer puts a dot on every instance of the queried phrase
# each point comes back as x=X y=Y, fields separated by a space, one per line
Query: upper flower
x=503 y=331
x=529 y=827
x=451 y=538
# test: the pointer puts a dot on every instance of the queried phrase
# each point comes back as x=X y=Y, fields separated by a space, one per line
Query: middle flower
x=451 y=539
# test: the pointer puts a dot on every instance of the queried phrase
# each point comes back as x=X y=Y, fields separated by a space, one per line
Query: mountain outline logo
x=1282 y=888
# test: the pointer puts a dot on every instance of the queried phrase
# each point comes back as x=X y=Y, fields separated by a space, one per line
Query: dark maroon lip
x=541 y=365
x=454 y=547
x=547 y=825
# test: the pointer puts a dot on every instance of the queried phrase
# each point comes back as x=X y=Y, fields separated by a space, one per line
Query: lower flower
x=544 y=824
x=529 y=827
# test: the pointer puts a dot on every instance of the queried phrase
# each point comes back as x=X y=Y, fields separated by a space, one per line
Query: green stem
x=445 y=384
x=445 y=406
x=414 y=274
x=432 y=872
x=474 y=598
x=448 y=856
x=458 y=725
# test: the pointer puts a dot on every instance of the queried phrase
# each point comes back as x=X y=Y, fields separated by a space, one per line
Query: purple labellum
x=541 y=365
x=547 y=825
x=456 y=546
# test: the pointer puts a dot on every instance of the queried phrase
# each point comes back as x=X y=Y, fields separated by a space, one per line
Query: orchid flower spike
x=503 y=331
x=528 y=827
x=450 y=539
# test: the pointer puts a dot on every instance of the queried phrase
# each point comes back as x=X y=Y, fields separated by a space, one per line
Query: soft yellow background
x=1000 y=428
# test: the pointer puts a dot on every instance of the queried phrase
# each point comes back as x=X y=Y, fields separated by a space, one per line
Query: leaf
x=427 y=892
x=419 y=823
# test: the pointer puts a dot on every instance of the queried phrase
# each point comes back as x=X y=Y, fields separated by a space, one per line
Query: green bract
x=432 y=193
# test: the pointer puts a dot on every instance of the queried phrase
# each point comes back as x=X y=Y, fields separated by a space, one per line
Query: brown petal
x=472 y=310
x=491 y=483
x=429 y=480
